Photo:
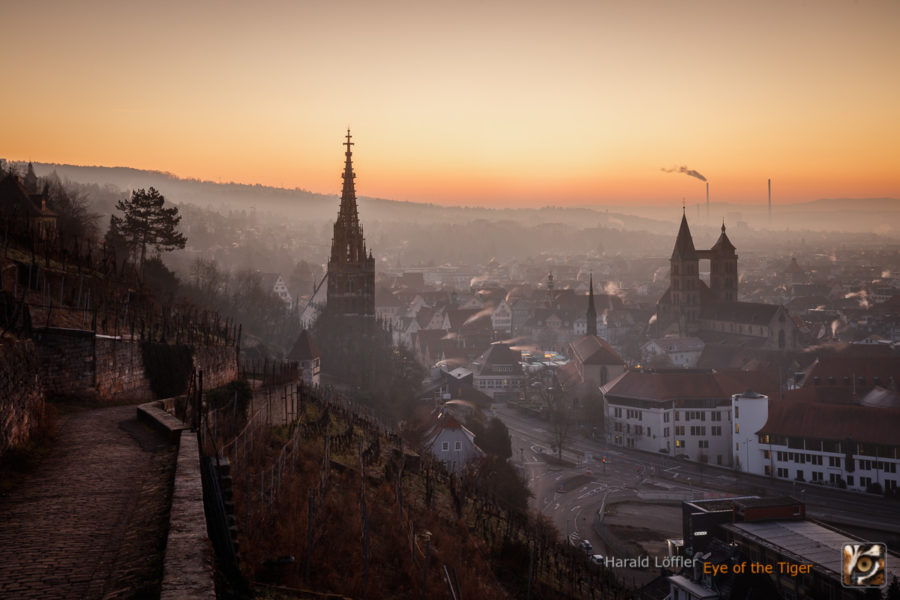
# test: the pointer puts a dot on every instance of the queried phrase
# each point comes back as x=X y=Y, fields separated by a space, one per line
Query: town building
x=306 y=355
x=24 y=212
x=782 y=554
x=852 y=446
x=274 y=283
x=673 y=351
x=498 y=373
x=680 y=412
x=450 y=442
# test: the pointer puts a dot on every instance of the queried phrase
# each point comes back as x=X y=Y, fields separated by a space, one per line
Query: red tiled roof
x=833 y=421
x=594 y=350
x=663 y=385
x=852 y=365
x=304 y=348
x=459 y=316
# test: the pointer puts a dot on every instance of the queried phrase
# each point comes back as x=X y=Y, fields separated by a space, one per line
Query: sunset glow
x=513 y=103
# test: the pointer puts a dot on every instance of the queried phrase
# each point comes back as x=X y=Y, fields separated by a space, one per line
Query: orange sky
x=499 y=103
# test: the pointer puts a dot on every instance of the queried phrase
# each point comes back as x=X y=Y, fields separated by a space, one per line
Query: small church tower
x=351 y=271
x=591 y=310
x=723 y=280
x=684 y=274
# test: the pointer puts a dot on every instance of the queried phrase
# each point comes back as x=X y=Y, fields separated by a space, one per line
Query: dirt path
x=90 y=521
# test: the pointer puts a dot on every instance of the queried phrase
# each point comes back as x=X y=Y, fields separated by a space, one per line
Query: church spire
x=591 y=310
x=684 y=244
x=348 y=213
x=348 y=244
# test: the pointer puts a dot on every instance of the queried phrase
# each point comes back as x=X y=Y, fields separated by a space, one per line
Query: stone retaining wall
x=21 y=394
x=77 y=363
x=66 y=358
x=219 y=364
x=120 y=369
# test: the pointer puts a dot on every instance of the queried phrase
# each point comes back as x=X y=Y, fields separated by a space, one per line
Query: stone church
x=351 y=270
x=691 y=307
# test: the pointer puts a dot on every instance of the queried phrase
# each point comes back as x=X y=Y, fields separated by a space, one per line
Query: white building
x=842 y=445
x=749 y=412
x=275 y=283
x=682 y=352
x=306 y=354
x=501 y=318
x=450 y=442
x=679 y=412
x=498 y=373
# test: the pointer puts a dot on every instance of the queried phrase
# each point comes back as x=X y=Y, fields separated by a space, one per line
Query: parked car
x=586 y=546
x=597 y=559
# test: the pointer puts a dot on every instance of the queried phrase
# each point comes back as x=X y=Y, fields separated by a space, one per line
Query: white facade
x=501 y=318
x=580 y=326
x=700 y=434
x=311 y=369
x=750 y=412
x=817 y=461
x=451 y=443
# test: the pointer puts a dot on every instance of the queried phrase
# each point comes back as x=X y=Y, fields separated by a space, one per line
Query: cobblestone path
x=90 y=521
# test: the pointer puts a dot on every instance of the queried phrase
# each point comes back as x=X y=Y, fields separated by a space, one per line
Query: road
x=643 y=476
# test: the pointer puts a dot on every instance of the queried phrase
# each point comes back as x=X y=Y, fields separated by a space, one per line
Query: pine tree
x=147 y=222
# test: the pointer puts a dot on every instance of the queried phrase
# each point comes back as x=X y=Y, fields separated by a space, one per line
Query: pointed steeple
x=348 y=244
x=723 y=245
x=348 y=213
x=684 y=244
x=591 y=310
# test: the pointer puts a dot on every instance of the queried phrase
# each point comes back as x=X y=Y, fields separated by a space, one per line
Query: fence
x=63 y=296
x=261 y=472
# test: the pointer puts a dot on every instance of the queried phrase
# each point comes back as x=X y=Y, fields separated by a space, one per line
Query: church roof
x=684 y=243
x=753 y=313
x=594 y=350
x=304 y=348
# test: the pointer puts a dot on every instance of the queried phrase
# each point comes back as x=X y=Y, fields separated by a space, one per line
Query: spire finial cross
x=348 y=143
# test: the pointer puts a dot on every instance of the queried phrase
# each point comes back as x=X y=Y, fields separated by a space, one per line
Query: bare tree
x=559 y=413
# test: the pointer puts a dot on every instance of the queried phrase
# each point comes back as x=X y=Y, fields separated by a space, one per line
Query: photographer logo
x=863 y=565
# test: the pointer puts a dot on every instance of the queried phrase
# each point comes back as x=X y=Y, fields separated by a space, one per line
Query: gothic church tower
x=351 y=272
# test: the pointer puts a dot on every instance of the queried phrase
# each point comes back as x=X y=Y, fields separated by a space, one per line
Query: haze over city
x=496 y=104
x=406 y=299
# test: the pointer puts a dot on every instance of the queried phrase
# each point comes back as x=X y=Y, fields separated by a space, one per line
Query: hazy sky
x=519 y=102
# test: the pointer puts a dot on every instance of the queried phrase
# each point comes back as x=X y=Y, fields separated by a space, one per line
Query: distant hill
x=852 y=215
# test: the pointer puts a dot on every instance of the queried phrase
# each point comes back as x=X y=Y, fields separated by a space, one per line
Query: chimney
x=707 y=200
x=770 y=201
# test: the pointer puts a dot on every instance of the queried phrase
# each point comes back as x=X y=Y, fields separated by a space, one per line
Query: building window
x=679 y=443
x=445 y=446
x=459 y=445
x=703 y=444
x=737 y=427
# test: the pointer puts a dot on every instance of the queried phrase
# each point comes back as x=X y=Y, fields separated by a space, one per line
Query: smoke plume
x=686 y=171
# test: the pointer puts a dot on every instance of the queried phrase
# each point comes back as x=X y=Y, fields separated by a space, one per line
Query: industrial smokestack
x=770 y=201
x=707 y=200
